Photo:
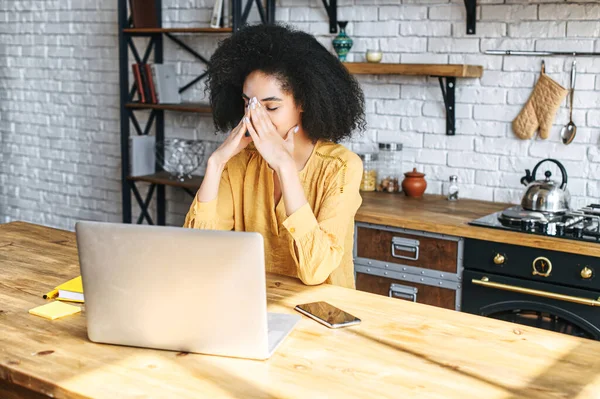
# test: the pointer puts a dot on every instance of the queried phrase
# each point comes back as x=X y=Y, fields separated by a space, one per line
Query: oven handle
x=485 y=282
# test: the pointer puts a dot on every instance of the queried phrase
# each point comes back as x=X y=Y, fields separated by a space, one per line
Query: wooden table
x=401 y=349
x=435 y=214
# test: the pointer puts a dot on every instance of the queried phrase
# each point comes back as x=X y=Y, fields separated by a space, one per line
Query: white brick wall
x=60 y=156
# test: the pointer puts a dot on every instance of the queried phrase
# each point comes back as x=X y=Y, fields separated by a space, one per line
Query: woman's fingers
x=292 y=131
x=257 y=121
x=261 y=120
x=251 y=130
x=241 y=133
x=240 y=130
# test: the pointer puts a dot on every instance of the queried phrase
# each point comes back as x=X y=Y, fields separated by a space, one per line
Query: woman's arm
x=291 y=188
x=212 y=208
x=319 y=239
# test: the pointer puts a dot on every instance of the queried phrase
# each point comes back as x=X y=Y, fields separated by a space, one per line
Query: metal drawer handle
x=403 y=292
x=485 y=282
x=406 y=245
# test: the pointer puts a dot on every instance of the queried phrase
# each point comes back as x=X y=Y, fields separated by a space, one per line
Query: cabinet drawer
x=426 y=294
x=398 y=246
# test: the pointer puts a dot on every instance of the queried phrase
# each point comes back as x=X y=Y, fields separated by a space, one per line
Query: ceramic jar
x=374 y=56
x=414 y=183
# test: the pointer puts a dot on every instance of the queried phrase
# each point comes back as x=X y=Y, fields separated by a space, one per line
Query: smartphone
x=327 y=314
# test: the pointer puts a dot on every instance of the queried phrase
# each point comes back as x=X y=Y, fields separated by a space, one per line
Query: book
x=71 y=290
x=145 y=83
x=165 y=83
x=215 y=21
x=151 y=83
x=227 y=6
x=138 y=82
x=144 y=13
x=142 y=155
x=54 y=310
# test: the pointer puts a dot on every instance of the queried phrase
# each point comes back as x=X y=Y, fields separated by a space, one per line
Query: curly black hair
x=332 y=100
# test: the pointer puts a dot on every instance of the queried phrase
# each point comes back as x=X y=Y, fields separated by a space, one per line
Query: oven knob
x=560 y=229
x=578 y=232
x=527 y=225
x=586 y=273
x=542 y=226
x=499 y=259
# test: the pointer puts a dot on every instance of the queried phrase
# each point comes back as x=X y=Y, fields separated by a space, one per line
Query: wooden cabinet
x=409 y=264
x=426 y=294
x=407 y=249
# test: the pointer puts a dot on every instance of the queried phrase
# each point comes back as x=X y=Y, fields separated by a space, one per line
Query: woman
x=287 y=102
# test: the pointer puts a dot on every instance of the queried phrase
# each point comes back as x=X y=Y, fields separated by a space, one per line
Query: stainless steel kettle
x=546 y=195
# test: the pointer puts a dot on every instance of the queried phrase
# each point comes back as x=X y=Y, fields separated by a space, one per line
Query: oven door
x=552 y=307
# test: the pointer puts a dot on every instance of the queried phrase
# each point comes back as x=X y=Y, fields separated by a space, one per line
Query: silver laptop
x=178 y=289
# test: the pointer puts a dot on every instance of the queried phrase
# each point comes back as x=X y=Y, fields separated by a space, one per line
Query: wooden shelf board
x=446 y=70
x=165 y=179
x=177 y=30
x=183 y=107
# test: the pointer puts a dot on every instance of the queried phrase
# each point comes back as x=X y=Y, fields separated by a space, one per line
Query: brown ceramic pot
x=414 y=183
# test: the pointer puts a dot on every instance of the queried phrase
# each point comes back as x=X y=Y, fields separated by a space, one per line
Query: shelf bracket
x=331 y=9
x=143 y=203
x=471 y=6
x=448 y=87
x=240 y=17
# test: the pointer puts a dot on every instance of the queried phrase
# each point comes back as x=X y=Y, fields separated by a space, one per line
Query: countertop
x=433 y=213
x=400 y=350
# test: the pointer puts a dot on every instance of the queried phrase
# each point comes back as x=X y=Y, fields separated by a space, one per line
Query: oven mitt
x=540 y=109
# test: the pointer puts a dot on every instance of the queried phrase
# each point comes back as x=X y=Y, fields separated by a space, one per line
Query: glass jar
x=452 y=188
x=389 y=171
x=369 y=179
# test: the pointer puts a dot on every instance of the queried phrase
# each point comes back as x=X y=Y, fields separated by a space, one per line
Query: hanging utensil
x=567 y=134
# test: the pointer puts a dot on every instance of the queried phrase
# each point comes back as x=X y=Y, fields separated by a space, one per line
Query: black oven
x=553 y=290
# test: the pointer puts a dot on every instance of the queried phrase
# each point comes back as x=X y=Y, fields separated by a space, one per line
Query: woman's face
x=280 y=105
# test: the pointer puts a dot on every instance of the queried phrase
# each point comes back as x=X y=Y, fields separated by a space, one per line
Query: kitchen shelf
x=470 y=8
x=176 y=30
x=165 y=179
x=183 y=107
x=437 y=70
x=446 y=74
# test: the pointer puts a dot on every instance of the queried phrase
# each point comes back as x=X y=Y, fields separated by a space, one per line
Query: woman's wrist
x=285 y=165
x=209 y=188
x=215 y=162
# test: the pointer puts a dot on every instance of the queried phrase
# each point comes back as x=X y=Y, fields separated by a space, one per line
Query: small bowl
x=374 y=56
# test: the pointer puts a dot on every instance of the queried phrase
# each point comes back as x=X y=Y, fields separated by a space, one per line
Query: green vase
x=342 y=43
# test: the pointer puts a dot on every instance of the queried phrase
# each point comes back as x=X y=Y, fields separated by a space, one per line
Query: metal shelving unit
x=127 y=45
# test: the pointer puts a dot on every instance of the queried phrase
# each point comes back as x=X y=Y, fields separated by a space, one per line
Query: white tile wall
x=59 y=117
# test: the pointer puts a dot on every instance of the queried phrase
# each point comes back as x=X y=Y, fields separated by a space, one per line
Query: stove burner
x=526 y=220
x=582 y=224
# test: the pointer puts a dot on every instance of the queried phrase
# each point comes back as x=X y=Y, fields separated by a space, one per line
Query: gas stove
x=582 y=224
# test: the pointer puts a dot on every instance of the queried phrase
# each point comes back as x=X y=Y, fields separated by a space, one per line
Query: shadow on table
x=568 y=373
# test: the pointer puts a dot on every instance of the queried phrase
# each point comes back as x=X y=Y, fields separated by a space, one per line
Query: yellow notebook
x=55 y=310
x=71 y=291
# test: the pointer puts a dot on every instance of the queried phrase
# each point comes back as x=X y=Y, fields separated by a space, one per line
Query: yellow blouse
x=314 y=243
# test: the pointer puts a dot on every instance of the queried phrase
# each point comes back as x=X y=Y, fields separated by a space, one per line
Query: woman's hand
x=277 y=151
x=237 y=140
